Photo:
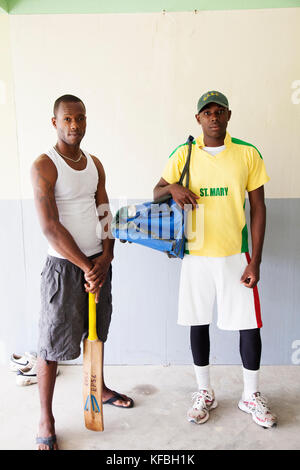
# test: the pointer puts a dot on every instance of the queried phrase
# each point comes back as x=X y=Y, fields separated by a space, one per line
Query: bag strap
x=186 y=169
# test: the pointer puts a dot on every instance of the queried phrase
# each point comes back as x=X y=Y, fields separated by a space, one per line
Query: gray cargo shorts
x=63 y=320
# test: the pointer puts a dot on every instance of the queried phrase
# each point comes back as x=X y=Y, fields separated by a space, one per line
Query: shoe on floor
x=203 y=401
x=16 y=361
x=261 y=413
x=47 y=441
x=28 y=375
x=117 y=396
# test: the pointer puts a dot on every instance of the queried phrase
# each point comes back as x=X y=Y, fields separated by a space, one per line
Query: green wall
x=19 y=7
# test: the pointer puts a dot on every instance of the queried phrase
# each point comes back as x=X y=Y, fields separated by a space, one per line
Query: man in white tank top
x=69 y=187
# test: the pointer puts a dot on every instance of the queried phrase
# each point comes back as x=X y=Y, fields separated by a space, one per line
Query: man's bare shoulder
x=44 y=166
x=43 y=161
x=98 y=165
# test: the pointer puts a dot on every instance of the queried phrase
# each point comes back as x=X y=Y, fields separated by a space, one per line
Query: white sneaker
x=257 y=406
x=17 y=362
x=203 y=401
x=28 y=375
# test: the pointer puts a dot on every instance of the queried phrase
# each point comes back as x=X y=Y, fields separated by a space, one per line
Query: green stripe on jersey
x=242 y=142
x=186 y=143
x=244 y=247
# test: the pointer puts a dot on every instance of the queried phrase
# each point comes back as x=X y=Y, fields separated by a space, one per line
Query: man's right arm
x=179 y=193
x=43 y=177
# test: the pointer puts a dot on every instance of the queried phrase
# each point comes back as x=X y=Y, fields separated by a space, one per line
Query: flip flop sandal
x=47 y=441
x=117 y=396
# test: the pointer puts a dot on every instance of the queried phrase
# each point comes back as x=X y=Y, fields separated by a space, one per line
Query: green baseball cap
x=212 y=97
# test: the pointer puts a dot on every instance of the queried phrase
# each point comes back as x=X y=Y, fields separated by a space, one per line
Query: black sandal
x=47 y=441
x=117 y=396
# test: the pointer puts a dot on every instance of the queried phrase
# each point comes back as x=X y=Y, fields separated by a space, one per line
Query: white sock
x=203 y=377
x=251 y=378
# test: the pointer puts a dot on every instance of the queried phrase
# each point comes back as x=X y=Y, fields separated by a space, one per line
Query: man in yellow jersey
x=217 y=264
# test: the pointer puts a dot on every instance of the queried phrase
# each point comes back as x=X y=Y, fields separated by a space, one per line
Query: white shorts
x=205 y=278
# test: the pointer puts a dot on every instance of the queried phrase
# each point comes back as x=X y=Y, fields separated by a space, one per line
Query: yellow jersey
x=218 y=226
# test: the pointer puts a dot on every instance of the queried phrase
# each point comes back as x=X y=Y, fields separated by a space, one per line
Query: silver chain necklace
x=68 y=158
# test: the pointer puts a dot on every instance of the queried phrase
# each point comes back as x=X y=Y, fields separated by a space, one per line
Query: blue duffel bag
x=158 y=224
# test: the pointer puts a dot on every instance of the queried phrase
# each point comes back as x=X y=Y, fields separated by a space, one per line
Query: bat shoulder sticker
x=93 y=400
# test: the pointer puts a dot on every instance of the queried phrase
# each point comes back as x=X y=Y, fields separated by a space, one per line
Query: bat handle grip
x=92 y=318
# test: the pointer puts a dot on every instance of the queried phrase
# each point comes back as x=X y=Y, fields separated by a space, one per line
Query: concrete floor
x=158 y=421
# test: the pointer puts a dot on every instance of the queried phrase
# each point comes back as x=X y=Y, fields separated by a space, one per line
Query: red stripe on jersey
x=256 y=299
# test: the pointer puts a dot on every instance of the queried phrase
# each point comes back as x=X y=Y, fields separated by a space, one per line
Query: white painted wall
x=141 y=75
x=10 y=170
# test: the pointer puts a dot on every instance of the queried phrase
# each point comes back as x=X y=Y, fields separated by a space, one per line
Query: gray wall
x=144 y=328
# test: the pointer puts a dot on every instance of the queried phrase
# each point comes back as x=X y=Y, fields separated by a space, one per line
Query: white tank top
x=75 y=199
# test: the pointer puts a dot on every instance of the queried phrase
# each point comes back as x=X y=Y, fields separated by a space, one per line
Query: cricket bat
x=92 y=373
